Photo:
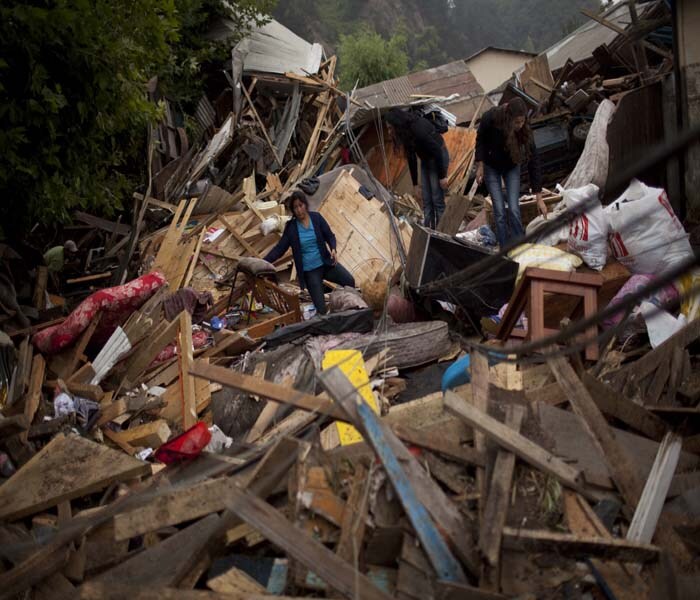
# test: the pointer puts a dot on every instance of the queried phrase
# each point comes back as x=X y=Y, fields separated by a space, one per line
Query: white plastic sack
x=645 y=234
x=588 y=232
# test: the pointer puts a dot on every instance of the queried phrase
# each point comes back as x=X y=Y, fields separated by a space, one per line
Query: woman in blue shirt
x=313 y=249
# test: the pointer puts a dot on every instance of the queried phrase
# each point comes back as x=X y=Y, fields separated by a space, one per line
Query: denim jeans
x=505 y=218
x=433 y=194
x=314 y=283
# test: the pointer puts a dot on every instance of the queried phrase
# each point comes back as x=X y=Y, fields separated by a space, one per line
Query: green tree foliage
x=366 y=58
x=73 y=107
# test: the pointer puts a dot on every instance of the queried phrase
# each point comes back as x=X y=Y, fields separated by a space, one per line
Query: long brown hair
x=518 y=141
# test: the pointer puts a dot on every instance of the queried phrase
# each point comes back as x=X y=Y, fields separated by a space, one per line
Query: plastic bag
x=645 y=234
x=588 y=232
x=665 y=296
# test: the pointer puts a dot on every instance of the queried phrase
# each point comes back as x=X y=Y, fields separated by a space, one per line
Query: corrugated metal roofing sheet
x=445 y=80
x=272 y=48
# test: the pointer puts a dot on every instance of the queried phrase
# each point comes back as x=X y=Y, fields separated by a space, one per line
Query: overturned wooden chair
x=261 y=283
x=529 y=296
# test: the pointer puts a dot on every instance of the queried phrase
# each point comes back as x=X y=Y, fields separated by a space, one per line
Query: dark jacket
x=290 y=238
x=428 y=145
x=491 y=150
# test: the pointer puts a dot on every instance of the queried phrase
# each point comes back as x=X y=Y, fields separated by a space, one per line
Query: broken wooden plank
x=339 y=386
x=339 y=574
x=578 y=546
x=480 y=399
x=436 y=442
x=173 y=508
x=168 y=562
x=239 y=237
x=149 y=435
x=89 y=278
x=620 y=407
x=267 y=389
x=623 y=581
x=496 y=505
x=519 y=445
x=186 y=381
x=622 y=469
x=97 y=590
x=42 y=278
x=65 y=364
x=33 y=397
x=610 y=402
x=236 y=582
x=85 y=390
x=352 y=528
x=12 y=425
x=66 y=468
x=648 y=511
x=163 y=334
x=447 y=590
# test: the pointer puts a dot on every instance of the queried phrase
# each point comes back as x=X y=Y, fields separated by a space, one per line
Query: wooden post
x=189 y=400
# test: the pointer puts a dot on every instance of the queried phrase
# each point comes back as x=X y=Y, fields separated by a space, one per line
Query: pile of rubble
x=194 y=432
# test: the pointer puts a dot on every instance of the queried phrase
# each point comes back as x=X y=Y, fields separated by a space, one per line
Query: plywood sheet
x=365 y=241
x=66 y=468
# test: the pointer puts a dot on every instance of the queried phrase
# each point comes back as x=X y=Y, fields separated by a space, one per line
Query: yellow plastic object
x=544 y=257
x=688 y=286
x=350 y=362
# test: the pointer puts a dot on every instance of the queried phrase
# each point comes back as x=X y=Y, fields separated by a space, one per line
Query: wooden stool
x=530 y=296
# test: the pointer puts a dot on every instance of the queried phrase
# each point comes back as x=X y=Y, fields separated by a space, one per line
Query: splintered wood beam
x=577 y=546
x=352 y=528
x=518 y=444
x=616 y=28
x=496 y=511
x=267 y=389
x=239 y=237
x=480 y=399
x=648 y=511
x=173 y=508
x=623 y=471
x=625 y=583
x=33 y=397
x=335 y=571
x=262 y=126
x=148 y=435
x=377 y=433
x=436 y=442
x=187 y=390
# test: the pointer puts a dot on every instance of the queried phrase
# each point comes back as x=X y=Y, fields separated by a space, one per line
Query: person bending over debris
x=418 y=136
x=55 y=257
x=310 y=238
x=504 y=142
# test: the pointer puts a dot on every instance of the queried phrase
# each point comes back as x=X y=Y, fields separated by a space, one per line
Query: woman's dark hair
x=297 y=195
x=518 y=141
x=401 y=121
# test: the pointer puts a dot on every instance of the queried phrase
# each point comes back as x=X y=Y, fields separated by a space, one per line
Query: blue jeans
x=433 y=194
x=314 y=283
x=505 y=218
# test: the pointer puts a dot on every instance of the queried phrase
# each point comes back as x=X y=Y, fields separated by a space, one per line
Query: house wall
x=687 y=26
x=492 y=68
